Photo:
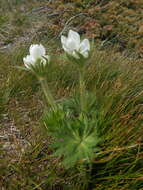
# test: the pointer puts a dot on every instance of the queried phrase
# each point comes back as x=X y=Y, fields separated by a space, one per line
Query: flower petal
x=63 y=40
x=84 y=46
x=28 y=60
x=37 y=51
x=74 y=54
x=71 y=45
x=74 y=36
x=85 y=54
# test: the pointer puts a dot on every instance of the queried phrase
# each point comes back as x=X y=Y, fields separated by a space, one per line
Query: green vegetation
x=114 y=81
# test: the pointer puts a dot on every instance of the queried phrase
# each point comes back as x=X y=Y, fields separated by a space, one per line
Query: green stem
x=82 y=89
x=47 y=93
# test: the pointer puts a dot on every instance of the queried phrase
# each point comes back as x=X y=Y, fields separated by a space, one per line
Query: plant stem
x=47 y=93
x=82 y=89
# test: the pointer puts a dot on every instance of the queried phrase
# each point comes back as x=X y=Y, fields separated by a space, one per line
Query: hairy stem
x=47 y=93
x=82 y=90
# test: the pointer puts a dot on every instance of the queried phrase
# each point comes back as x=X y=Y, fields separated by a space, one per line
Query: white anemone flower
x=72 y=44
x=37 y=52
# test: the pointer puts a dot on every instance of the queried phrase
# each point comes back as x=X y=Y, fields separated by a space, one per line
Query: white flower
x=36 y=52
x=72 y=44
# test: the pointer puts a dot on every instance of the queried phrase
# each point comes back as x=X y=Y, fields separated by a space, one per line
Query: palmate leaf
x=75 y=139
x=75 y=133
x=54 y=120
x=77 y=150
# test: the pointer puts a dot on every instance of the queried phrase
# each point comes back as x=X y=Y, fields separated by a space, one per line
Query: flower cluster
x=72 y=45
